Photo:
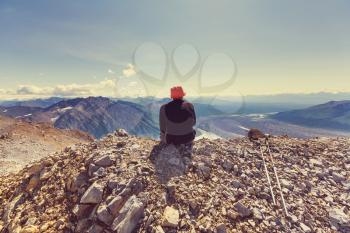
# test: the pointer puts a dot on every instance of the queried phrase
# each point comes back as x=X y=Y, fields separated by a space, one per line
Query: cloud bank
x=129 y=70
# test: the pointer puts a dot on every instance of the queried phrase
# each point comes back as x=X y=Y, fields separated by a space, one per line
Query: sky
x=136 y=48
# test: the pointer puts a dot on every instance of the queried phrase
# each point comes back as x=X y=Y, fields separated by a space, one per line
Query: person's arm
x=190 y=108
x=194 y=115
x=162 y=124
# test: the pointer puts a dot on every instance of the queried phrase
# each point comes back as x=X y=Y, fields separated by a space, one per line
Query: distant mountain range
x=42 y=103
x=95 y=115
x=139 y=116
x=333 y=115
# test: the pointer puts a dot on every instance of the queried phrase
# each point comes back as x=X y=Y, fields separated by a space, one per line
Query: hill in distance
x=98 y=116
x=331 y=115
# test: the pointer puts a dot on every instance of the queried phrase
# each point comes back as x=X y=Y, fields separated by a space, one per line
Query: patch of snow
x=206 y=134
x=54 y=119
x=257 y=115
x=17 y=117
x=242 y=127
x=61 y=110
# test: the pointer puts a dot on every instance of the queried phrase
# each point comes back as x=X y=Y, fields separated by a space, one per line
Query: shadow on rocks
x=171 y=160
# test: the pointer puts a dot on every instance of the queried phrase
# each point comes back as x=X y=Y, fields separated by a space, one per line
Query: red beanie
x=177 y=92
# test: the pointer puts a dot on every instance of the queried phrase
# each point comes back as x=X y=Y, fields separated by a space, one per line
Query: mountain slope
x=129 y=184
x=18 y=111
x=22 y=142
x=41 y=103
x=98 y=116
x=331 y=115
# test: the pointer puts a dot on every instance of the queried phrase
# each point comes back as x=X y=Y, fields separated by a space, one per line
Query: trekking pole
x=277 y=179
x=267 y=175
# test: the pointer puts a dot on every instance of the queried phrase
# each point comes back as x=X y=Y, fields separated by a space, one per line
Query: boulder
x=33 y=183
x=104 y=161
x=104 y=216
x=95 y=229
x=115 y=205
x=242 y=210
x=170 y=217
x=121 y=133
x=338 y=177
x=82 y=210
x=203 y=170
x=129 y=216
x=93 y=194
x=221 y=228
x=339 y=219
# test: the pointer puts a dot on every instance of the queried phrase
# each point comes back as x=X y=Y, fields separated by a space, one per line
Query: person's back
x=176 y=119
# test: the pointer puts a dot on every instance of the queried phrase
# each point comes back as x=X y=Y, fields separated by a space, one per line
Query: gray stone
x=170 y=217
x=236 y=184
x=339 y=219
x=338 y=177
x=104 y=161
x=227 y=165
x=221 y=228
x=83 y=225
x=129 y=216
x=203 y=170
x=104 y=216
x=101 y=172
x=115 y=205
x=257 y=214
x=305 y=228
x=287 y=184
x=121 y=133
x=82 y=210
x=242 y=210
x=293 y=218
x=95 y=229
x=92 y=168
x=93 y=194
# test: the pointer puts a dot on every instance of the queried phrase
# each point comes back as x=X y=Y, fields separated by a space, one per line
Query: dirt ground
x=23 y=142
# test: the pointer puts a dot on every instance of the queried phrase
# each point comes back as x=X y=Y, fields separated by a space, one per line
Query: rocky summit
x=126 y=184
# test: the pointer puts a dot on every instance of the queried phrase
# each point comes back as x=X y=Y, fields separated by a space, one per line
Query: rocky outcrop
x=128 y=184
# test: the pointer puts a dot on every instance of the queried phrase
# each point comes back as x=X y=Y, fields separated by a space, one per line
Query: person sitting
x=177 y=119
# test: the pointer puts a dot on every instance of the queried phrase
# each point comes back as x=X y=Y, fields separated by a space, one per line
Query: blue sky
x=83 y=47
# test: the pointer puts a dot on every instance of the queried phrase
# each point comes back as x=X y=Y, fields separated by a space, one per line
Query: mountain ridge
x=330 y=115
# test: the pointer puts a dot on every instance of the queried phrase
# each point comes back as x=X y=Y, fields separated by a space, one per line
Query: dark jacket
x=176 y=121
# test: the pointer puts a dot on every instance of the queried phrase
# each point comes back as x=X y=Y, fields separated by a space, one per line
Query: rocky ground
x=128 y=184
x=24 y=142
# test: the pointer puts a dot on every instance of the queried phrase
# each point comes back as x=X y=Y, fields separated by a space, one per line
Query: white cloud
x=32 y=90
x=129 y=70
x=72 y=90
x=105 y=87
x=110 y=71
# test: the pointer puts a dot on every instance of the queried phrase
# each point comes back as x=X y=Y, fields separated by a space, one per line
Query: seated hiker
x=176 y=119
